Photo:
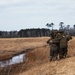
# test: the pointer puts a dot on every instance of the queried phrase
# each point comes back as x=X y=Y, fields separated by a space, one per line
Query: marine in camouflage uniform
x=53 y=33
x=63 y=45
x=68 y=37
x=53 y=48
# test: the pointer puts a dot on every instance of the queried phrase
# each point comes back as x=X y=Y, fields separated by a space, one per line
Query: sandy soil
x=37 y=61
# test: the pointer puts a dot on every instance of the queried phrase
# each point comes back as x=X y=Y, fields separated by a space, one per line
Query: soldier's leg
x=56 y=54
x=65 y=51
x=51 y=55
x=61 y=53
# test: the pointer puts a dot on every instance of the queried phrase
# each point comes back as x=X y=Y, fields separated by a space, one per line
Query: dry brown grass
x=11 y=46
x=42 y=66
x=37 y=61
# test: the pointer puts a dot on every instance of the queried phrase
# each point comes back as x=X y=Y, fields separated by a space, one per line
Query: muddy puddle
x=15 y=60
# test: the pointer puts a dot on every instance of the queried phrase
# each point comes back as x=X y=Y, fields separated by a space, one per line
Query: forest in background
x=38 y=32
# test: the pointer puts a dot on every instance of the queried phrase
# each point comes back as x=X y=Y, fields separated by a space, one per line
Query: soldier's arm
x=55 y=41
x=48 y=41
x=69 y=37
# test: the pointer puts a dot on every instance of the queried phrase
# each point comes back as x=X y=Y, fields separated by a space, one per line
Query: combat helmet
x=53 y=33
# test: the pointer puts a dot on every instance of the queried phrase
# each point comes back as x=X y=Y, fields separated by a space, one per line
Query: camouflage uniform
x=53 y=48
x=63 y=46
x=63 y=43
x=68 y=37
x=53 y=34
x=59 y=36
x=60 y=46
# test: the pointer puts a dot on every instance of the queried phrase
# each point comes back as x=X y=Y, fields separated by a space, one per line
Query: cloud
x=35 y=13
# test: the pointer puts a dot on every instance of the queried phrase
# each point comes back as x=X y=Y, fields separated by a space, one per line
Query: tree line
x=25 y=33
x=66 y=28
x=38 y=32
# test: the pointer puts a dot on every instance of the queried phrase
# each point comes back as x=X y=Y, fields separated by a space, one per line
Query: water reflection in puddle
x=16 y=59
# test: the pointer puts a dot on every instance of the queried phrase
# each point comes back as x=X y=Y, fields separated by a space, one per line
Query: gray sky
x=22 y=14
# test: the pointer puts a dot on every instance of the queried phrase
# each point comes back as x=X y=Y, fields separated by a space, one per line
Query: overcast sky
x=22 y=14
